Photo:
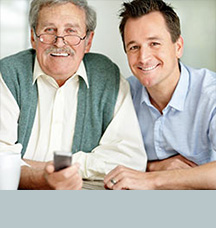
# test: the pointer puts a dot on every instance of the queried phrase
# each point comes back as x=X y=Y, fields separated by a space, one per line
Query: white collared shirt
x=54 y=125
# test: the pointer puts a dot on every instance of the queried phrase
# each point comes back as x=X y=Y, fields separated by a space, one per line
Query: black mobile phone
x=62 y=159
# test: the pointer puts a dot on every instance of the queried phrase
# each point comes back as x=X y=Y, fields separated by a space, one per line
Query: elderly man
x=175 y=104
x=57 y=96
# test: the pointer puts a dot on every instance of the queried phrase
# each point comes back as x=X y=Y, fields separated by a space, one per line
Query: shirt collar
x=179 y=96
x=145 y=96
x=178 y=99
x=80 y=72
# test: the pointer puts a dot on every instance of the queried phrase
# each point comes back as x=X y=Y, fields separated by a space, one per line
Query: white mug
x=10 y=163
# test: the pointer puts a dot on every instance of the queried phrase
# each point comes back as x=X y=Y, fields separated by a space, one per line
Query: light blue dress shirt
x=188 y=123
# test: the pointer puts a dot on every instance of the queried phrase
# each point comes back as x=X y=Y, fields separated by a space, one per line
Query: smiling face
x=152 y=56
x=60 y=60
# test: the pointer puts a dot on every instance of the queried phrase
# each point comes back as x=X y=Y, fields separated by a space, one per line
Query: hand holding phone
x=62 y=160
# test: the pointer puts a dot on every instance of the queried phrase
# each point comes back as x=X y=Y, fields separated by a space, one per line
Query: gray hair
x=37 y=5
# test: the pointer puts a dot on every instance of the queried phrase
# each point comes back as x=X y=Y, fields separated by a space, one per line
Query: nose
x=144 y=54
x=59 y=41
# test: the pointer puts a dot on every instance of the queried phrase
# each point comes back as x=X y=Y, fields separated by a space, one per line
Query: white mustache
x=60 y=50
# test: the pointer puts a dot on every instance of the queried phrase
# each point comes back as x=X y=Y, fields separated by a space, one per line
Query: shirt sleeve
x=9 y=114
x=121 y=143
x=212 y=135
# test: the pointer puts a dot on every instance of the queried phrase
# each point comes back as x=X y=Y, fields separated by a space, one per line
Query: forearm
x=33 y=177
x=35 y=164
x=201 y=177
x=174 y=162
x=104 y=158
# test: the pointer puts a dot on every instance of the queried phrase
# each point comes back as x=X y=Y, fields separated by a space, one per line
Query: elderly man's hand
x=66 y=179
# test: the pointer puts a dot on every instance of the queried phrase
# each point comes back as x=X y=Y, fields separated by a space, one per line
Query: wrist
x=33 y=179
x=170 y=179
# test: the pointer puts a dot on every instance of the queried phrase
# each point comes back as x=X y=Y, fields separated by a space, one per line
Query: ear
x=33 y=41
x=179 y=47
x=89 y=42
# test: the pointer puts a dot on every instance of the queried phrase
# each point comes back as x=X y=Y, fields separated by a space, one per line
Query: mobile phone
x=62 y=159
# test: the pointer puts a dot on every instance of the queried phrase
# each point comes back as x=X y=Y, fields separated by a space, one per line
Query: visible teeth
x=149 y=68
x=60 y=54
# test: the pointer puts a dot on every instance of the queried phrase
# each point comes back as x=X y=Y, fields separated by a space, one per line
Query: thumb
x=49 y=168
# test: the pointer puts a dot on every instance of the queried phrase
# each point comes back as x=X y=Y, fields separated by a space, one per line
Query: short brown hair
x=138 y=8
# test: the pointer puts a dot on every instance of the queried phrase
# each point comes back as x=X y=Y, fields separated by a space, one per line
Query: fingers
x=188 y=162
x=123 y=178
x=73 y=182
x=175 y=162
x=118 y=178
x=180 y=162
x=68 y=178
x=112 y=174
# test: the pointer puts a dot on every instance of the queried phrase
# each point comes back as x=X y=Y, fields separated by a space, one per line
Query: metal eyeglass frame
x=63 y=38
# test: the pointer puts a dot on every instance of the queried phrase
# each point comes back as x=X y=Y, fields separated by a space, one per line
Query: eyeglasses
x=72 y=40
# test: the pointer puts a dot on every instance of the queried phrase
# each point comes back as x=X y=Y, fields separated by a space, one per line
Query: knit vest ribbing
x=95 y=105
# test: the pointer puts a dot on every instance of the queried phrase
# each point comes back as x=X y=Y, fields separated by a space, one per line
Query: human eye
x=133 y=48
x=49 y=30
x=70 y=31
x=154 y=44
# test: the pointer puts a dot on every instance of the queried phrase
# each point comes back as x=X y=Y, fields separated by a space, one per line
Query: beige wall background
x=198 y=24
